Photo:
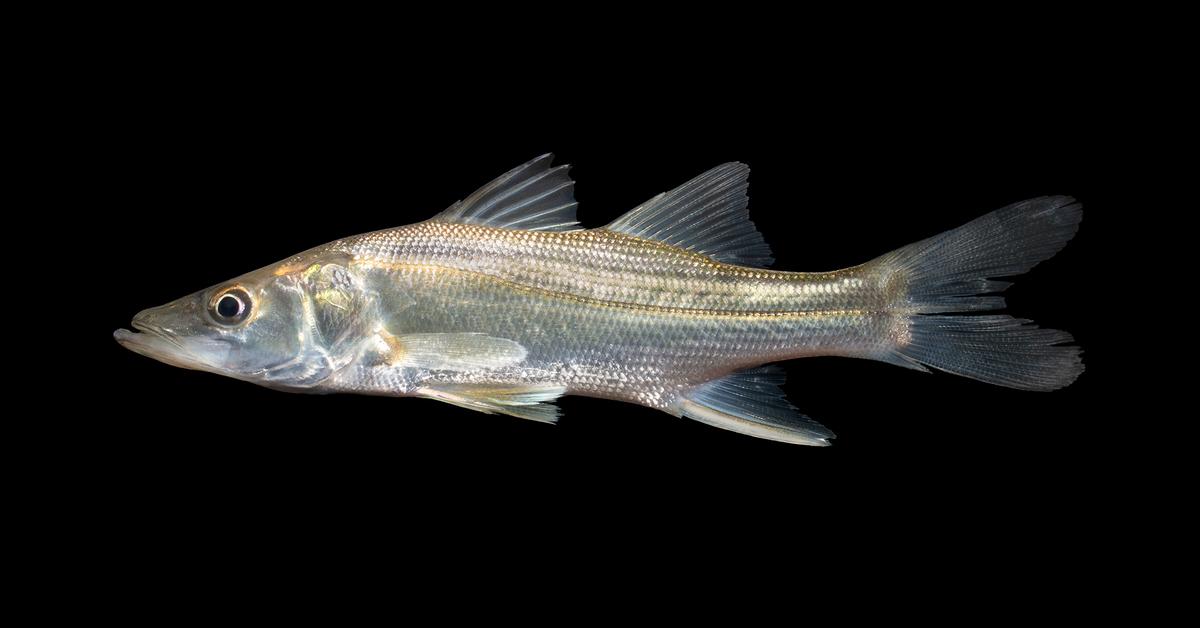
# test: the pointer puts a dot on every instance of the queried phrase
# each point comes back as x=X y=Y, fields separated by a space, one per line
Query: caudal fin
x=954 y=273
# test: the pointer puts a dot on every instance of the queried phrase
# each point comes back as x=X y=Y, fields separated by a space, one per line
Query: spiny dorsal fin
x=707 y=215
x=532 y=197
x=751 y=402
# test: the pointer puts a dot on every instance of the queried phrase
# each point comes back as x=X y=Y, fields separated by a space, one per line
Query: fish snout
x=156 y=327
x=170 y=320
x=149 y=320
x=170 y=333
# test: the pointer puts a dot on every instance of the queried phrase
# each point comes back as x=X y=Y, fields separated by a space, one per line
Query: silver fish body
x=502 y=303
x=603 y=314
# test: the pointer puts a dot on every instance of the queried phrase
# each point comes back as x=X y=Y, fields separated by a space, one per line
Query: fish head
x=264 y=327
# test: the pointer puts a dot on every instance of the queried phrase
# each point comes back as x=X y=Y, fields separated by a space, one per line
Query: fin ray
x=453 y=351
x=751 y=402
x=707 y=215
x=532 y=197
x=524 y=402
x=955 y=272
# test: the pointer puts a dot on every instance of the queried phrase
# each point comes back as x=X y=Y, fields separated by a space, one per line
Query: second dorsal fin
x=707 y=215
x=532 y=196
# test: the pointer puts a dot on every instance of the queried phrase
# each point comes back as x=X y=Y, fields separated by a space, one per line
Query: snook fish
x=503 y=302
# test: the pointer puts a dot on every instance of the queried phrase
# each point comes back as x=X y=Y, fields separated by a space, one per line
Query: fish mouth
x=160 y=344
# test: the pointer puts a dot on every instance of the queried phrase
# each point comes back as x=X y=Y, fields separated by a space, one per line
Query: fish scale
x=611 y=266
x=616 y=350
x=502 y=303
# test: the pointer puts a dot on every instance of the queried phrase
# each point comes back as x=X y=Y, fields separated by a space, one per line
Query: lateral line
x=657 y=309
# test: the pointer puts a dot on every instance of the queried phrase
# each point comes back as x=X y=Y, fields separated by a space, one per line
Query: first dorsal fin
x=532 y=197
x=707 y=215
x=751 y=402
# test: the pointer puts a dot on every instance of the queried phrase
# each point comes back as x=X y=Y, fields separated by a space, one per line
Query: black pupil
x=228 y=306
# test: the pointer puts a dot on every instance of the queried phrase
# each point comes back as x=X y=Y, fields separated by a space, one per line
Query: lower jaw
x=155 y=347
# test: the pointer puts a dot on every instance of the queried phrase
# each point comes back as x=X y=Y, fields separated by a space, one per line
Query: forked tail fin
x=941 y=281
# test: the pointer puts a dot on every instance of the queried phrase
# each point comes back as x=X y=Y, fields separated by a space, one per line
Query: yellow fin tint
x=524 y=402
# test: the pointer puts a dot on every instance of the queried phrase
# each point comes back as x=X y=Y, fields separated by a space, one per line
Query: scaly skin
x=600 y=313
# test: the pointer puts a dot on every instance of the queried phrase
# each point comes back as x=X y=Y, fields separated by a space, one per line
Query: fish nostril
x=143 y=321
x=140 y=321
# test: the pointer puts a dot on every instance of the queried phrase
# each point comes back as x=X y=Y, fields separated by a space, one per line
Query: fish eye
x=231 y=306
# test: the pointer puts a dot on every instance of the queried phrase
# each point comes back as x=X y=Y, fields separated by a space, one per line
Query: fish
x=504 y=302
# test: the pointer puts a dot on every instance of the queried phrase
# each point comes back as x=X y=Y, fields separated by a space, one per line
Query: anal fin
x=751 y=402
x=523 y=402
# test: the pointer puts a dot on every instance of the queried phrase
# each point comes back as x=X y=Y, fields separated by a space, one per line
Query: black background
x=201 y=169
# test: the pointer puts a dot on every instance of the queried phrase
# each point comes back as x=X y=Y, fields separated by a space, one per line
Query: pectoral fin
x=525 y=402
x=451 y=352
